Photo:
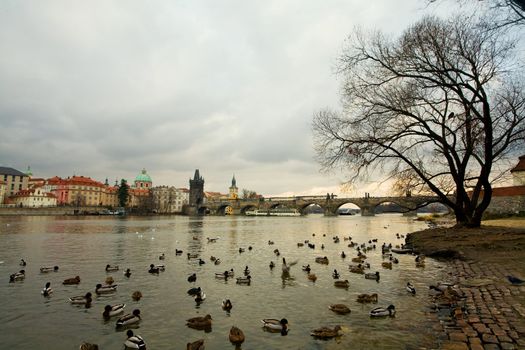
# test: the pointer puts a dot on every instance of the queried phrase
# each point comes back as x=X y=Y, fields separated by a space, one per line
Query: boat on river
x=273 y=212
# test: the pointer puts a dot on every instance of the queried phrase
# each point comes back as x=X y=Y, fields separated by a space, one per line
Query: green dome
x=143 y=177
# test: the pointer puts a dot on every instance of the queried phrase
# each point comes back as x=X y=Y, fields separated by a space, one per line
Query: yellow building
x=34 y=197
x=14 y=181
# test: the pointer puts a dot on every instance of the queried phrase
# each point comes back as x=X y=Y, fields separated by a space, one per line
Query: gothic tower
x=196 y=189
x=234 y=191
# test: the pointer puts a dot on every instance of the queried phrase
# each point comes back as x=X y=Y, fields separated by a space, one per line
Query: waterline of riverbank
x=488 y=312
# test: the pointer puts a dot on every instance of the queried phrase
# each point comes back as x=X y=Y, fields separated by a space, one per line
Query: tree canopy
x=123 y=193
x=436 y=108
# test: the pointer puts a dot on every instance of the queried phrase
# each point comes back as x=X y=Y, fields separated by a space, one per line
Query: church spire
x=234 y=183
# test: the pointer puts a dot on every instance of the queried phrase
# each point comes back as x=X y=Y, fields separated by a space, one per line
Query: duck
x=372 y=275
x=47 y=290
x=196 y=345
x=410 y=288
x=367 y=298
x=326 y=332
x=162 y=256
x=136 y=295
x=127 y=273
x=194 y=291
x=273 y=324
x=109 y=280
x=244 y=280
x=192 y=256
x=270 y=242
x=23 y=262
x=339 y=309
x=201 y=262
x=200 y=297
x=383 y=311
x=199 y=322
x=134 y=341
x=312 y=277
x=74 y=280
x=241 y=250
x=46 y=269
x=387 y=265
x=343 y=255
x=178 y=252
x=236 y=336
x=335 y=275
x=153 y=269
x=321 y=260
x=113 y=310
x=192 y=278
x=129 y=319
x=246 y=271
x=359 y=269
x=88 y=346
x=110 y=268
x=307 y=268
x=212 y=240
x=515 y=280
x=17 y=276
x=217 y=261
x=100 y=289
x=81 y=299
x=227 y=305
x=342 y=284
x=300 y=244
x=272 y=265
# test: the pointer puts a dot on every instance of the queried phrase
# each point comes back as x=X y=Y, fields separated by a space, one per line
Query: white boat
x=256 y=212
x=284 y=212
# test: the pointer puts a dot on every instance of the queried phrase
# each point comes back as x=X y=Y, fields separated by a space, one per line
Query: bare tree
x=440 y=102
x=504 y=13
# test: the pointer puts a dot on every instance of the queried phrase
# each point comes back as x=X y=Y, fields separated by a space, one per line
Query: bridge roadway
x=330 y=205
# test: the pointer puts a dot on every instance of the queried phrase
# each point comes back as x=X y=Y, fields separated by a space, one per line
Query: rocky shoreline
x=482 y=310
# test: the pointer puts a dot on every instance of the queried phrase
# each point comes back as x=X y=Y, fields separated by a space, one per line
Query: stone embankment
x=482 y=310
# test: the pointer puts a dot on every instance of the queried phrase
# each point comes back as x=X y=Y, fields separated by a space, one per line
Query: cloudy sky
x=105 y=88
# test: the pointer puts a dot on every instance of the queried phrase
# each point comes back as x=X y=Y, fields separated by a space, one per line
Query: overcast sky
x=105 y=88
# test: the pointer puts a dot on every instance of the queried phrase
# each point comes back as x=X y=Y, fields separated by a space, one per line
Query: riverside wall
x=17 y=211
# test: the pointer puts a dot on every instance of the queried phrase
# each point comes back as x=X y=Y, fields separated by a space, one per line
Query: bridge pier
x=329 y=212
x=368 y=211
x=410 y=213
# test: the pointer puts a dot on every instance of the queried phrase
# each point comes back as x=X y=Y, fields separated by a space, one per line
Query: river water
x=83 y=246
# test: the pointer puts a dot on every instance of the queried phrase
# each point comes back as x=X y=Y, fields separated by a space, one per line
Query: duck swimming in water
x=367 y=298
x=196 y=345
x=335 y=275
x=113 y=310
x=410 y=288
x=136 y=295
x=244 y=280
x=372 y=276
x=342 y=284
x=236 y=336
x=23 y=262
x=129 y=319
x=339 y=309
x=134 y=341
x=74 y=280
x=47 y=290
x=272 y=265
x=17 y=276
x=100 y=289
x=326 y=332
x=110 y=268
x=383 y=311
x=47 y=269
x=127 y=273
x=192 y=278
x=199 y=322
x=275 y=325
x=227 y=305
x=81 y=299
x=194 y=291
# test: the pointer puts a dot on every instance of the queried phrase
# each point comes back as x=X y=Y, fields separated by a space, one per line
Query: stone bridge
x=330 y=205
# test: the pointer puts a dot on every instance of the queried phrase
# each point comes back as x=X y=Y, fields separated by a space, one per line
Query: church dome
x=143 y=177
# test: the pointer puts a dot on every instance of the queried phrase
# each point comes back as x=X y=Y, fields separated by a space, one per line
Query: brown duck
x=236 y=336
x=326 y=332
x=199 y=322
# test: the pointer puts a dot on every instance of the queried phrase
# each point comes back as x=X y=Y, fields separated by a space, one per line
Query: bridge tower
x=196 y=193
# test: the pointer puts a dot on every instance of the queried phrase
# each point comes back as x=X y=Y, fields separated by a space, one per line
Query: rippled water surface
x=84 y=246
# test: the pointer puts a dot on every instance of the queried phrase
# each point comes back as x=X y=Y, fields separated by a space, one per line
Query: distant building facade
x=34 y=197
x=168 y=200
x=14 y=181
x=2 y=191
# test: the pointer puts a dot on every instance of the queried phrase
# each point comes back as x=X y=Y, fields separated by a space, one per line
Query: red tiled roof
x=508 y=191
